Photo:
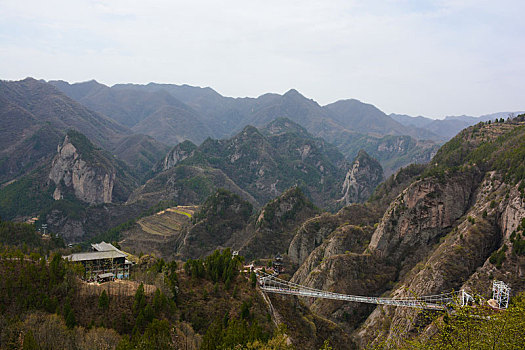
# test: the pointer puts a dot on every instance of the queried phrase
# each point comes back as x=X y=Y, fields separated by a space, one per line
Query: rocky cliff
x=311 y=233
x=177 y=154
x=89 y=187
x=90 y=182
x=361 y=179
x=463 y=259
x=423 y=213
x=338 y=265
x=459 y=224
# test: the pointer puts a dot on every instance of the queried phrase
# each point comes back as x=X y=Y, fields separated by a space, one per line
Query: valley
x=350 y=200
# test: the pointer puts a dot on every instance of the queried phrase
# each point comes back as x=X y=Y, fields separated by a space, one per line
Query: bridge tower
x=466 y=298
x=501 y=293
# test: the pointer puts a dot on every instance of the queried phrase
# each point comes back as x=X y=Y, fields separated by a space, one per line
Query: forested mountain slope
x=257 y=165
x=36 y=116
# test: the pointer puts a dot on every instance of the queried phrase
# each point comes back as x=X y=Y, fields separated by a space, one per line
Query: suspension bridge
x=272 y=284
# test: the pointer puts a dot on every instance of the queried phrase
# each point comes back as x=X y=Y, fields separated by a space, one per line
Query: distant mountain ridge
x=194 y=113
x=395 y=140
x=450 y=125
x=226 y=115
x=155 y=113
x=36 y=115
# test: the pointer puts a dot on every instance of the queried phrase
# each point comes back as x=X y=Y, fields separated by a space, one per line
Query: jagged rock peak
x=284 y=207
x=77 y=168
x=361 y=179
x=177 y=154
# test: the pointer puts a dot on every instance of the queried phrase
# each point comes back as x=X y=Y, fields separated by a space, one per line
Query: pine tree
x=140 y=300
x=103 y=300
x=30 y=342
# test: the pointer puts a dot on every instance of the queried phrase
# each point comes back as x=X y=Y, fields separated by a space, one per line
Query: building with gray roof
x=105 y=262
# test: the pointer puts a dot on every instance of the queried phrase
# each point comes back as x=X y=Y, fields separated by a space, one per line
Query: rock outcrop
x=461 y=261
x=313 y=231
x=338 y=265
x=76 y=172
x=276 y=222
x=310 y=235
x=361 y=179
x=420 y=215
x=346 y=239
x=177 y=154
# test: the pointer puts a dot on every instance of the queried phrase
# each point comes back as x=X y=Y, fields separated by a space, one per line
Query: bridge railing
x=273 y=284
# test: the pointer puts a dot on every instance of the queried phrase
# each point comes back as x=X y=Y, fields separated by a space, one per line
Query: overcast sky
x=431 y=58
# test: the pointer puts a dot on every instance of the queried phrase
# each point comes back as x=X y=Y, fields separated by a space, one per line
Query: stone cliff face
x=338 y=265
x=345 y=239
x=508 y=209
x=361 y=179
x=313 y=231
x=89 y=182
x=461 y=260
x=432 y=238
x=176 y=155
x=420 y=215
x=309 y=236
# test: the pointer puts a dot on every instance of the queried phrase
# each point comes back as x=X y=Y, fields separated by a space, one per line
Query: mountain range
x=257 y=164
x=456 y=223
x=173 y=113
x=450 y=125
x=36 y=116
x=181 y=171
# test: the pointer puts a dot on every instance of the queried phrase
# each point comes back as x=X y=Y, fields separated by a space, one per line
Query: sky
x=431 y=58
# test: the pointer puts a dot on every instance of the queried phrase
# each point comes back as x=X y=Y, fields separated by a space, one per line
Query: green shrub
x=498 y=257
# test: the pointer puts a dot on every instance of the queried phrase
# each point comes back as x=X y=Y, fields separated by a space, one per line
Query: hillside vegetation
x=256 y=164
x=42 y=306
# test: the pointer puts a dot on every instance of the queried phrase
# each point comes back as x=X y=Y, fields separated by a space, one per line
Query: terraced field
x=167 y=222
x=154 y=232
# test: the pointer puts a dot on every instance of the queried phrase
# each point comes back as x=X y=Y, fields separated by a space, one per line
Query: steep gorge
x=440 y=234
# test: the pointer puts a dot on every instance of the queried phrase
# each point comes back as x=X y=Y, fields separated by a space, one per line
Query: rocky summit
x=361 y=179
x=93 y=185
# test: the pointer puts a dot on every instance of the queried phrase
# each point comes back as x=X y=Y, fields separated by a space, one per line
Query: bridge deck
x=272 y=284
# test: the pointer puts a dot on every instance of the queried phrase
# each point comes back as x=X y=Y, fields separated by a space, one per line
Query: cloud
x=420 y=57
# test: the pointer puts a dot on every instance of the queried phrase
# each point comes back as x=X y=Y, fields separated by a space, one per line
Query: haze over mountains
x=173 y=113
x=450 y=125
x=129 y=104
x=138 y=123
